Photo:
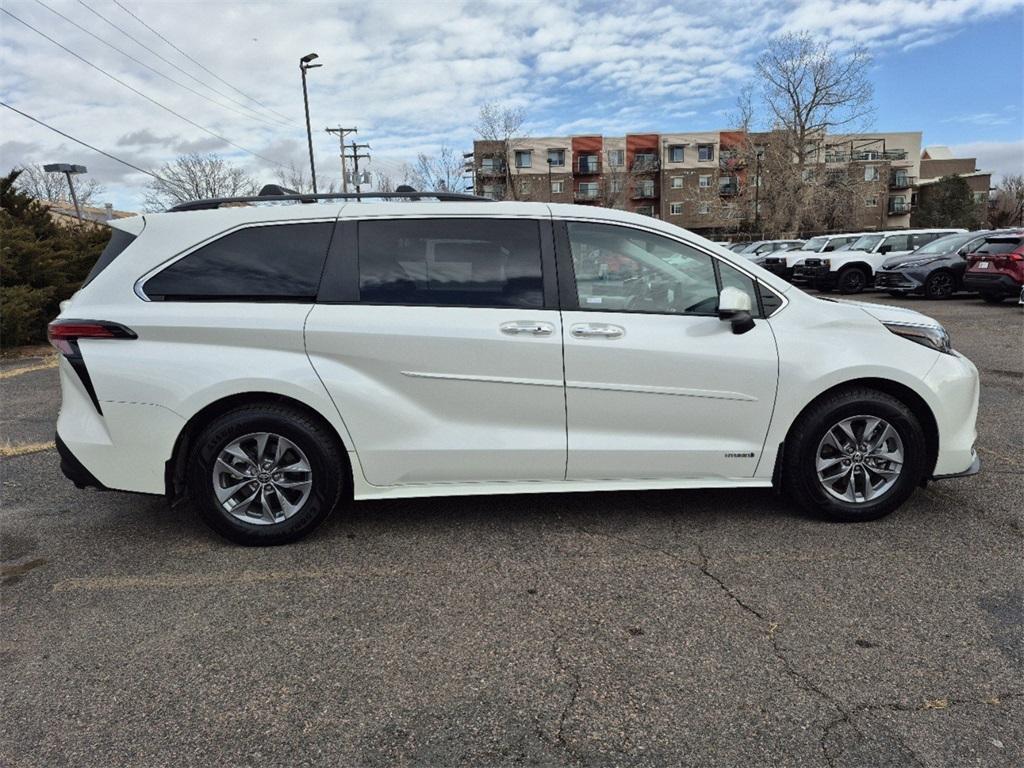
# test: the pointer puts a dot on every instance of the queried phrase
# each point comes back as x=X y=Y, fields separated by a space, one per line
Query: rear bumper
x=895 y=281
x=997 y=283
x=73 y=469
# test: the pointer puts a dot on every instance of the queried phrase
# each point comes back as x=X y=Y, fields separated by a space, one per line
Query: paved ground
x=696 y=628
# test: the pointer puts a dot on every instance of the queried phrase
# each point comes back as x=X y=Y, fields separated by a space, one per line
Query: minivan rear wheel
x=855 y=455
x=265 y=474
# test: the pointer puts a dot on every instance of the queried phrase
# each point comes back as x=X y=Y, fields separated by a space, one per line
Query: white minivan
x=268 y=364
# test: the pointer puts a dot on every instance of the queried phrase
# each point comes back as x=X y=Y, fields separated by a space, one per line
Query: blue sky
x=412 y=76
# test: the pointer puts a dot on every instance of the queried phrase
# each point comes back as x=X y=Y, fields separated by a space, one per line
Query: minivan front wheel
x=851 y=280
x=265 y=474
x=857 y=454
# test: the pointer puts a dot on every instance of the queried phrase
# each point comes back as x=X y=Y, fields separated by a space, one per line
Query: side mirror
x=734 y=305
x=884 y=249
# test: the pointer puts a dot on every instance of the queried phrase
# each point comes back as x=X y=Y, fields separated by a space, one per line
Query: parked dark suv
x=996 y=269
x=936 y=269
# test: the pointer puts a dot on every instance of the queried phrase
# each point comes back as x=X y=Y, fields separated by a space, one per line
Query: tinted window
x=923 y=238
x=118 y=242
x=451 y=262
x=896 y=243
x=620 y=269
x=1003 y=245
x=282 y=262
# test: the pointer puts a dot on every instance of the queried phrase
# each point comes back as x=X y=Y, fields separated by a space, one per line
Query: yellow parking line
x=7 y=450
x=48 y=363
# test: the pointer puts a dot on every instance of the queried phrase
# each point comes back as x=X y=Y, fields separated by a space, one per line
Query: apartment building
x=938 y=161
x=703 y=180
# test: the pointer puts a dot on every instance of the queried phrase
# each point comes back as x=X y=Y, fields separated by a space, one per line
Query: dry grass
x=7 y=450
x=50 y=362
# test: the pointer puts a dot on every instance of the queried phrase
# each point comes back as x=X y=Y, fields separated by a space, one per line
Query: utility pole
x=342 y=133
x=303 y=66
x=355 y=155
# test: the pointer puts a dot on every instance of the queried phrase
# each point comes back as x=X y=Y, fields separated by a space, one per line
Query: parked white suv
x=781 y=264
x=852 y=269
x=270 y=363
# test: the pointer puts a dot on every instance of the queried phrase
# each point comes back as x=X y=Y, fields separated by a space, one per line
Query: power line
x=79 y=141
x=154 y=70
x=202 y=67
x=143 y=95
x=171 y=63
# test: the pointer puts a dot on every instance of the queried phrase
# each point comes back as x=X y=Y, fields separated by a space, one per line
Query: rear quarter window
x=279 y=262
x=118 y=242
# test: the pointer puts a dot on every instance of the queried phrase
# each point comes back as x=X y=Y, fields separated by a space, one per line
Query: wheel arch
x=863 y=266
x=174 y=471
x=917 y=404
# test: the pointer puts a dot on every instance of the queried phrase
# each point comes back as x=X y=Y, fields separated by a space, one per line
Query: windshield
x=846 y=246
x=814 y=244
x=750 y=247
x=943 y=245
x=865 y=243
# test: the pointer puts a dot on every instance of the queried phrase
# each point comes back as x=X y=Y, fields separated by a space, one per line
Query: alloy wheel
x=940 y=286
x=859 y=459
x=262 y=478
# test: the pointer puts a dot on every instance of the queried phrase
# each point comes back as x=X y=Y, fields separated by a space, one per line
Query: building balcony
x=496 y=169
x=645 y=164
x=587 y=194
x=729 y=189
x=644 y=192
x=897 y=208
x=588 y=165
x=894 y=154
x=901 y=181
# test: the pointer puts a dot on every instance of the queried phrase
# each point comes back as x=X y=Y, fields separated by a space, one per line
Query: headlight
x=826 y=262
x=934 y=336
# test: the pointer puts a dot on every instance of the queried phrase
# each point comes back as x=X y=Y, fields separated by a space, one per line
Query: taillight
x=1017 y=256
x=64 y=334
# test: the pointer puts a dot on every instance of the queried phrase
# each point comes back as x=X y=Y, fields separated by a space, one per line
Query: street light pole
x=303 y=66
x=67 y=169
x=549 y=180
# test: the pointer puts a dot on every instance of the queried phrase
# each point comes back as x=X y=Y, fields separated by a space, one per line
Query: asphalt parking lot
x=714 y=628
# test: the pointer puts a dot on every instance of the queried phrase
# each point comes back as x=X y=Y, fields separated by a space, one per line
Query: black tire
x=800 y=478
x=326 y=460
x=940 y=284
x=993 y=298
x=851 y=280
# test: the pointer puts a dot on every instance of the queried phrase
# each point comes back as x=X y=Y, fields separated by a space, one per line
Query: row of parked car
x=934 y=262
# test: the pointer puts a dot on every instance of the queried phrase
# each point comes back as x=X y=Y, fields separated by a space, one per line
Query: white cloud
x=1000 y=157
x=410 y=75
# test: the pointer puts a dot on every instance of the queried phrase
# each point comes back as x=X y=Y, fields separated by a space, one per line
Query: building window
x=494 y=164
x=524 y=158
x=807 y=174
x=676 y=209
x=645 y=161
x=677 y=182
x=870 y=202
x=488 y=191
x=704 y=209
x=588 y=190
x=704 y=182
x=617 y=157
x=645 y=189
x=871 y=173
x=980 y=197
x=646 y=210
x=557 y=187
x=705 y=153
x=676 y=153
x=556 y=157
x=616 y=185
x=589 y=164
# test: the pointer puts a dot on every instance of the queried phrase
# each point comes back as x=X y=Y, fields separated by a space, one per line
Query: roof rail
x=273 y=193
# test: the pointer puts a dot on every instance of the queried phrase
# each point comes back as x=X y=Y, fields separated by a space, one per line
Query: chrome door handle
x=598 y=330
x=527 y=328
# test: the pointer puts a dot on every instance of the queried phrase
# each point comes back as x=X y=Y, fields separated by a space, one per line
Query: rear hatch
x=1001 y=254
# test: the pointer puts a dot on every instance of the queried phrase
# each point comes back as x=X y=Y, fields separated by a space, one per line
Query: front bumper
x=779 y=268
x=974 y=469
x=886 y=280
x=996 y=283
x=955 y=388
x=816 y=276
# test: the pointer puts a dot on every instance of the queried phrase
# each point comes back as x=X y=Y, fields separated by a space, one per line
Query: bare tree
x=501 y=125
x=294 y=177
x=386 y=182
x=442 y=172
x=810 y=90
x=1008 y=204
x=195 y=177
x=41 y=185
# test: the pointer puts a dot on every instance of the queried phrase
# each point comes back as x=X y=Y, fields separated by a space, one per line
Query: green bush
x=41 y=264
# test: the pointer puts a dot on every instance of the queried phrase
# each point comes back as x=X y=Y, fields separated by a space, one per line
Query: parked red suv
x=996 y=269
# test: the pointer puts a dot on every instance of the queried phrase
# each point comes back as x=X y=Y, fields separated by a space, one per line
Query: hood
x=886 y=313
x=909 y=258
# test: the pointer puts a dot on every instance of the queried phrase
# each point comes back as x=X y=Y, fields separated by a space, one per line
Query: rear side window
x=896 y=243
x=924 y=238
x=1004 y=245
x=118 y=242
x=451 y=262
x=281 y=262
